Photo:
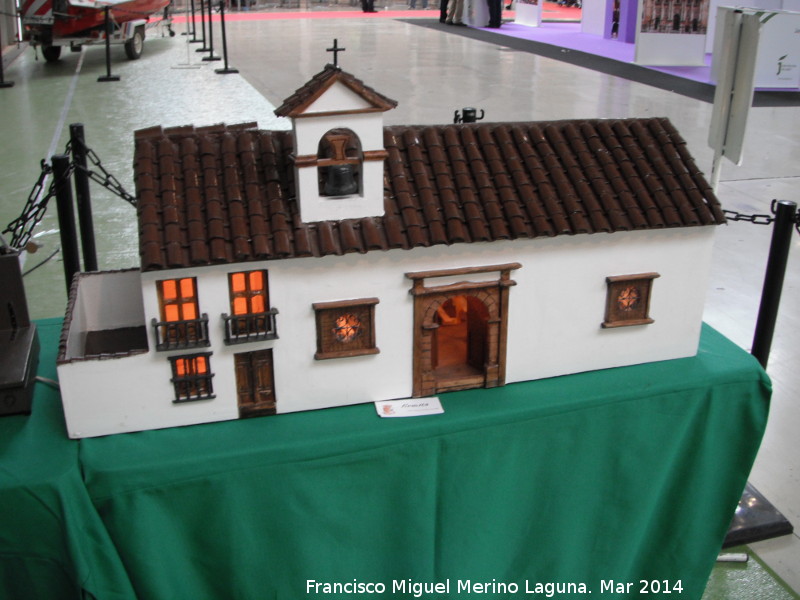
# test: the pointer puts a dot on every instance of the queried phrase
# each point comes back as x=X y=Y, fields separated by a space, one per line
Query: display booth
x=666 y=33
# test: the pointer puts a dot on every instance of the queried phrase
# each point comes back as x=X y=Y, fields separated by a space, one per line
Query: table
x=620 y=475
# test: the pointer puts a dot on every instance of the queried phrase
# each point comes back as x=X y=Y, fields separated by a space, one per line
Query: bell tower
x=337 y=123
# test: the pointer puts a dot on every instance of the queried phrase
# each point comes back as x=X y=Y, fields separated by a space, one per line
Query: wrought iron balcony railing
x=177 y=335
x=254 y=327
x=193 y=387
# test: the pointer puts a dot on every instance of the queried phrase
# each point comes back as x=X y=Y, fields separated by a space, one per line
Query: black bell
x=341 y=181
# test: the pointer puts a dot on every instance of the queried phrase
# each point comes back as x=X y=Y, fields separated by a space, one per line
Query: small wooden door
x=255 y=385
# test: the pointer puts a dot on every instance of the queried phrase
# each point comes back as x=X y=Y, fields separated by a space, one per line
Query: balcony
x=254 y=327
x=179 y=335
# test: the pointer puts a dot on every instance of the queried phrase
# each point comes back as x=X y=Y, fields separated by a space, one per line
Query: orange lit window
x=178 y=299
x=628 y=300
x=191 y=376
x=248 y=291
x=191 y=366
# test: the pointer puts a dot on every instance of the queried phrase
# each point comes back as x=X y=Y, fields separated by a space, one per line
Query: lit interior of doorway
x=460 y=345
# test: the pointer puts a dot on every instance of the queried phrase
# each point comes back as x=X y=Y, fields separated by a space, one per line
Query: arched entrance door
x=460 y=328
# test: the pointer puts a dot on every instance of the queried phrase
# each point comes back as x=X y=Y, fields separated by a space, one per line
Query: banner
x=675 y=16
x=671 y=33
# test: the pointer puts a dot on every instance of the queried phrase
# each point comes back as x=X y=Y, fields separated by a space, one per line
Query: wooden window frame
x=179 y=301
x=192 y=385
x=621 y=309
x=190 y=328
x=327 y=313
x=251 y=325
x=249 y=294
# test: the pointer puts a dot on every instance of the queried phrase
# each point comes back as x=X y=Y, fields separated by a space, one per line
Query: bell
x=341 y=181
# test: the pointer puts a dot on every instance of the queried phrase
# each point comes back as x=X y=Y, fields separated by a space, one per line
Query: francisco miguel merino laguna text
x=462 y=586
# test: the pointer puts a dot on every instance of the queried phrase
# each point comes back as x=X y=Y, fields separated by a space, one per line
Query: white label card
x=410 y=407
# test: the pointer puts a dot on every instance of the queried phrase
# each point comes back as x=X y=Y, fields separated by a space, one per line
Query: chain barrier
x=757 y=219
x=107 y=180
x=21 y=228
x=732 y=215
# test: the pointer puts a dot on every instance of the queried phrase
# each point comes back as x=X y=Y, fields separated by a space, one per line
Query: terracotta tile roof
x=226 y=194
x=296 y=104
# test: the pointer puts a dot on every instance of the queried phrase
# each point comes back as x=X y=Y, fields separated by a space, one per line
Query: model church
x=346 y=262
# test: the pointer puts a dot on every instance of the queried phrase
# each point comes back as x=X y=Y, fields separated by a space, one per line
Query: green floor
x=746 y=581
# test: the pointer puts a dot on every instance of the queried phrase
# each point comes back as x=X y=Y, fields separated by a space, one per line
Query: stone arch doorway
x=460 y=330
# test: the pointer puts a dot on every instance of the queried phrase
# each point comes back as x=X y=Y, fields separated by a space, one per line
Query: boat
x=53 y=24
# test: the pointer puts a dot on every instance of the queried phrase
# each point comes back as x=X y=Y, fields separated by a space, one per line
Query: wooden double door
x=255 y=383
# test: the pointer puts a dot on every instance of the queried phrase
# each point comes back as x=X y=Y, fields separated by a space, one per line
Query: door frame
x=493 y=292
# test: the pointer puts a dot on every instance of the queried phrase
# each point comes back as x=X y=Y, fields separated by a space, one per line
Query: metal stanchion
x=82 y=196
x=203 y=26
x=66 y=218
x=188 y=64
x=190 y=19
x=773 y=279
x=109 y=30
x=210 y=56
x=226 y=69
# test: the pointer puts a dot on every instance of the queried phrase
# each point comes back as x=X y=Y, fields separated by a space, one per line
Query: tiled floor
x=431 y=74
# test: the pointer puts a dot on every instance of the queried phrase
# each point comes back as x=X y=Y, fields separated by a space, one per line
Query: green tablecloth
x=627 y=474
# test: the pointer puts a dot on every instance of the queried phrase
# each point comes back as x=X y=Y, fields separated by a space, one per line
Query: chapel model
x=346 y=261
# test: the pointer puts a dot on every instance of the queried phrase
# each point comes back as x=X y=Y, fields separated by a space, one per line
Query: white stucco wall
x=106 y=300
x=554 y=317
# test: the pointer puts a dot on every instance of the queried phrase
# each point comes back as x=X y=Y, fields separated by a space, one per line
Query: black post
x=226 y=69
x=194 y=39
x=109 y=30
x=203 y=26
x=82 y=197
x=3 y=82
x=66 y=218
x=773 y=280
x=190 y=19
x=210 y=37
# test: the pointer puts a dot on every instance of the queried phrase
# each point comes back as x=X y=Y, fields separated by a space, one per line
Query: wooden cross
x=335 y=51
